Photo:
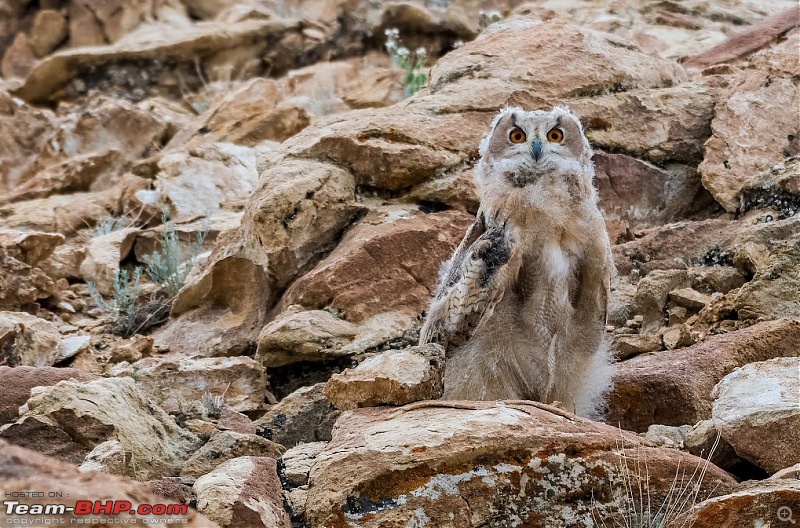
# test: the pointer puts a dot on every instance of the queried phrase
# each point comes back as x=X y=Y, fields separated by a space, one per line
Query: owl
x=520 y=307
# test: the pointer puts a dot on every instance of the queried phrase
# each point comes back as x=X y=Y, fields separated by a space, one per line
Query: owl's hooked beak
x=536 y=149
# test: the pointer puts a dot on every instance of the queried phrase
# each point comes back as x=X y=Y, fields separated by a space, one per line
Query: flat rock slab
x=394 y=377
x=241 y=381
x=470 y=464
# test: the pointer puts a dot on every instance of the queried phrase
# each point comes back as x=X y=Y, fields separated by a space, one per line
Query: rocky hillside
x=221 y=223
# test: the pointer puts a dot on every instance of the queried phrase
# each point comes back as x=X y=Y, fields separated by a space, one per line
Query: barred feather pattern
x=472 y=284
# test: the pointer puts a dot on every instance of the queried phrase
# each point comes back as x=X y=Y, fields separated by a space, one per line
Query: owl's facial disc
x=525 y=146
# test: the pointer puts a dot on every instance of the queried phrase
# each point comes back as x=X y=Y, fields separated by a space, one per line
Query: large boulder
x=297 y=461
x=23 y=286
x=248 y=115
x=436 y=132
x=76 y=174
x=69 y=213
x=508 y=461
x=394 y=377
x=658 y=125
x=168 y=58
x=764 y=503
x=751 y=109
x=23 y=254
x=389 y=262
x=23 y=129
x=227 y=445
x=103 y=125
x=298 y=335
x=26 y=340
x=198 y=180
x=773 y=292
x=292 y=220
x=29 y=247
x=71 y=418
x=755 y=409
x=642 y=194
x=305 y=415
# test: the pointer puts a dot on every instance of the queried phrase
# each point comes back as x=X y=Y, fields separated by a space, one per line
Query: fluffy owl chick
x=520 y=307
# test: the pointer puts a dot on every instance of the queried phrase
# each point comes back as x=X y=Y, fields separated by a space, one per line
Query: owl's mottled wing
x=471 y=286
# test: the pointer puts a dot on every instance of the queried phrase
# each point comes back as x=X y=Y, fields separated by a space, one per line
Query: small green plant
x=126 y=293
x=109 y=224
x=168 y=267
x=401 y=58
x=132 y=311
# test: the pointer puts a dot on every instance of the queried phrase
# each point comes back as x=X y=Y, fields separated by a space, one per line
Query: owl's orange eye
x=517 y=136
x=555 y=135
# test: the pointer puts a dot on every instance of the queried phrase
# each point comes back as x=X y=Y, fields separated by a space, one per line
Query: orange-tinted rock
x=507 y=460
x=24 y=130
x=19 y=58
x=390 y=262
x=764 y=503
x=293 y=219
x=393 y=148
x=394 y=377
x=48 y=31
x=748 y=41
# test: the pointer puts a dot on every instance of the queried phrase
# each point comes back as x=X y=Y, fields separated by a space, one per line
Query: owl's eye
x=555 y=135
x=517 y=136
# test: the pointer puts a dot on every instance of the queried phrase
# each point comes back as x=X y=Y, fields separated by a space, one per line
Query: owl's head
x=533 y=148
